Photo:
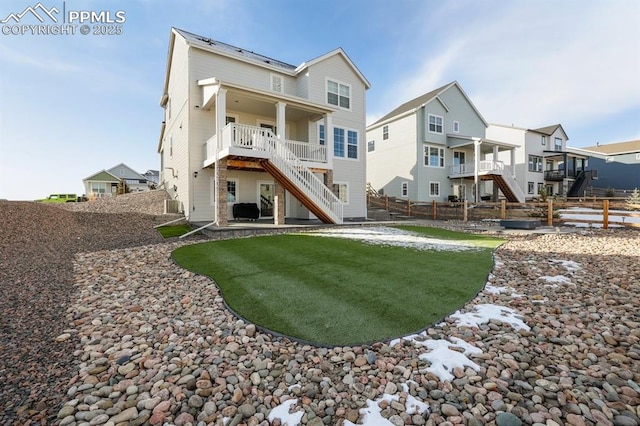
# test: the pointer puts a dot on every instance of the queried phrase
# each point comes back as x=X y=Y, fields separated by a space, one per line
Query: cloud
x=42 y=62
x=533 y=63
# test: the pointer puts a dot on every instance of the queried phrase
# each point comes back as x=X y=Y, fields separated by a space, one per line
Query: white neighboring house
x=434 y=148
x=240 y=127
x=105 y=182
x=543 y=161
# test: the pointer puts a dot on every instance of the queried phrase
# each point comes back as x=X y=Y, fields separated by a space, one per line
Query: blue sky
x=72 y=105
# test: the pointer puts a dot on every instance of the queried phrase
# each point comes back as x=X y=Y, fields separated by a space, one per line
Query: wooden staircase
x=294 y=190
x=499 y=181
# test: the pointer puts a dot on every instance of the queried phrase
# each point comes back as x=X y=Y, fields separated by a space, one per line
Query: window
x=338 y=94
x=321 y=139
x=276 y=83
x=456 y=127
x=530 y=187
x=558 y=144
x=385 y=133
x=342 y=191
x=352 y=144
x=229 y=119
x=371 y=146
x=540 y=187
x=340 y=144
x=433 y=156
x=535 y=163
x=544 y=140
x=404 y=189
x=232 y=191
x=435 y=123
x=434 y=189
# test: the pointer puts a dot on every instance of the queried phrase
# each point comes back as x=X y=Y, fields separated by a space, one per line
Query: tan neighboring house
x=105 y=182
x=243 y=128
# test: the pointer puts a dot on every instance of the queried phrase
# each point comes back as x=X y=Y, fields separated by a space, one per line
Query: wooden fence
x=603 y=213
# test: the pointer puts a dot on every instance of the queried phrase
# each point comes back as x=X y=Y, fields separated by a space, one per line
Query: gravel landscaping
x=100 y=326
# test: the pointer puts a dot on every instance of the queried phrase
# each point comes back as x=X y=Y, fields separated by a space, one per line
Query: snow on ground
x=555 y=280
x=282 y=412
x=569 y=265
x=371 y=414
x=485 y=313
x=386 y=236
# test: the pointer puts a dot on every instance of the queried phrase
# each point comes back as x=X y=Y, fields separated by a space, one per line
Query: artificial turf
x=174 y=230
x=336 y=291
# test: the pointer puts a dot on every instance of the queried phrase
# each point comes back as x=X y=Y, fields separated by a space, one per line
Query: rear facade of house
x=244 y=129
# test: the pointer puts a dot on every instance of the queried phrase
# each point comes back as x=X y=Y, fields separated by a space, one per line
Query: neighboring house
x=544 y=162
x=434 y=148
x=153 y=178
x=618 y=164
x=105 y=182
x=240 y=127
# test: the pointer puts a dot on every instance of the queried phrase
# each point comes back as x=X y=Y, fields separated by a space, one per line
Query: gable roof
x=549 y=130
x=616 y=148
x=102 y=176
x=425 y=99
x=340 y=52
x=131 y=174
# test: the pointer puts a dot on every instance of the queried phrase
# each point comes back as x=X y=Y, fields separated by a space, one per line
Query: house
x=618 y=165
x=153 y=178
x=242 y=128
x=543 y=162
x=105 y=182
x=434 y=148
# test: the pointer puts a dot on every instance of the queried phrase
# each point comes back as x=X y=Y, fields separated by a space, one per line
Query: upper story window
x=371 y=146
x=433 y=156
x=456 y=127
x=385 y=133
x=544 y=140
x=277 y=84
x=404 y=190
x=435 y=123
x=321 y=137
x=338 y=94
x=535 y=163
x=558 y=144
x=345 y=143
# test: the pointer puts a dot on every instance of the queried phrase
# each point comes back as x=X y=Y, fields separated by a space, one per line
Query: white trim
x=372 y=144
x=386 y=126
x=237 y=182
x=339 y=83
x=258 y=194
x=441 y=124
x=455 y=126
x=346 y=143
x=441 y=151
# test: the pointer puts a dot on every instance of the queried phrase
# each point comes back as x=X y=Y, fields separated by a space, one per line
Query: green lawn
x=337 y=291
x=174 y=230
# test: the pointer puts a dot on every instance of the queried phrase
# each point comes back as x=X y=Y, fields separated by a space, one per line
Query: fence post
x=464 y=213
x=503 y=209
x=605 y=214
x=408 y=207
x=433 y=210
x=550 y=212
x=386 y=202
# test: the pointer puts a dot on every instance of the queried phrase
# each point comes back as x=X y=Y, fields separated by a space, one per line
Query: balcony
x=484 y=167
x=248 y=141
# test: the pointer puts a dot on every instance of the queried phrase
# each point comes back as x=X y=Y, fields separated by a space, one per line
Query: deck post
x=605 y=214
x=503 y=209
x=550 y=212
x=408 y=207
x=278 y=208
x=386 y=202
x=465 y=206
x=221 y=185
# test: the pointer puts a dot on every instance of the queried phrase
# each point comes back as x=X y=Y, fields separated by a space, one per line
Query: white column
x=513 y=162
x=476 y=161
x=328 y=139
x=280 y=120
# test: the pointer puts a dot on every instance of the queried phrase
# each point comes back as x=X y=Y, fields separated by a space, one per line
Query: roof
x=616 y=148
x=549 y=130
x=102 y=176
x=423 y=100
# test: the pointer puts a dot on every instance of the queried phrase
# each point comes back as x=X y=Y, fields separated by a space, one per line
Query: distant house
x=618 y=164
x=153 y=178
x=245 y=133
x=105 y=182
x=543 y=160
x=434 y=148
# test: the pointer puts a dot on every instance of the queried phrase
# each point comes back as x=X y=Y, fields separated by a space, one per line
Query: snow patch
x=569 y=265
x=486 y=312
x=394 y=237
x=555 y=280
x=282 y=412
x=371 y=414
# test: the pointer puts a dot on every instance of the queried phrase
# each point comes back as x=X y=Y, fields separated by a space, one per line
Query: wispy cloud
x=36 y=60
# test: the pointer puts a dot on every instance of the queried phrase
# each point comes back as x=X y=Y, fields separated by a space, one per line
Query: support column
x=476 y=164
x=221 y=190
x=278 y=205
x=328 y=180
x=328 y=140
x=281 y=120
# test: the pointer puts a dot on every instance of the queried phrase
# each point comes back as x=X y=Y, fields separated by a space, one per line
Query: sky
x=72 y=105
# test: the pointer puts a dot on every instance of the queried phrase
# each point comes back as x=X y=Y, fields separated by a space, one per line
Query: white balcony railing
x=243 y=136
